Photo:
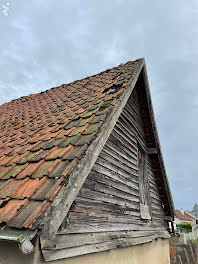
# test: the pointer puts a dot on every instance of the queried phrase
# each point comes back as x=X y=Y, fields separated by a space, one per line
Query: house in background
x=184 y=217
x=82 y=177
x=192 y=215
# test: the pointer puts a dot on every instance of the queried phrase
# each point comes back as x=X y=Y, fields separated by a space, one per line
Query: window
x=143 y=186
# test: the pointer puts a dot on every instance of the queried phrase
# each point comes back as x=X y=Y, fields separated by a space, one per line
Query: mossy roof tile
x=44 y=136
x=75 y=152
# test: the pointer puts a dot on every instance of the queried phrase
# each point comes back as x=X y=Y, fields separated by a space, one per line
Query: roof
x=44 y=137
x=191 y=214
x=183 y=216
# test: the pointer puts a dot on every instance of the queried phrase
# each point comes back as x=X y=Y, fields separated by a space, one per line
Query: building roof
x=50 y=141
x=183 y=216
x=44 y=136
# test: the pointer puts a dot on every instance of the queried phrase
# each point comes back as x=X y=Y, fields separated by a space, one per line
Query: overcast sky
x=46 y=43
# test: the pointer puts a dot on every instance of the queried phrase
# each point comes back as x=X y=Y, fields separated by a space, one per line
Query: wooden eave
x=166 y=186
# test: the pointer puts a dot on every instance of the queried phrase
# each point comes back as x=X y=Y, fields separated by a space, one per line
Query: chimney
x=182 y=211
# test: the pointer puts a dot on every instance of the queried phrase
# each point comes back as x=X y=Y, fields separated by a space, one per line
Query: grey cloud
x=47 y=43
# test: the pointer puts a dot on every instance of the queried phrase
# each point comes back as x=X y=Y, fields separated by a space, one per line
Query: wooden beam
x=53 y=254
x=151 y=151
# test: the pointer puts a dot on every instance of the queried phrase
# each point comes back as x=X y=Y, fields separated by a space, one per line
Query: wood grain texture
x=93 y=244
x=106 y=212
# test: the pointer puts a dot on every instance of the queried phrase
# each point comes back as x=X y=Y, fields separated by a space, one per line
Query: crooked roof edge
x=155 y=131
x=55 y=214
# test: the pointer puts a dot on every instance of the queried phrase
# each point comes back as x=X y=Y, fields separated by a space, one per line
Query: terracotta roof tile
x=184 y=216
x=12 y=171
x=29 y=169
x=10 y=187
x=84 y=139
x=27 y=189
x=69 y=140
x=10 y=209
x=75 y=152
x=57 y=153
x=45 y=169
x=47 y=189
x=27 y=214
x=44 y=136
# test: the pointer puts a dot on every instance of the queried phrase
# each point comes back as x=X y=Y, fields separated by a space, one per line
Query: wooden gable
x=123 y=200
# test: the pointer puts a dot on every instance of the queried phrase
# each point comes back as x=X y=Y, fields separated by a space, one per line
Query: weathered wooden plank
x=158 y=213
x=118 y=163
x=131 y=176
x=153 y=185
x=124 y=136
x=98 y=215
x=100 y=187
x=50 y=255
x=74 y=220
x=106 y=207
x=75 y=240
x=133 y=119
x=151 y=151
x=133 y=123
x=126 y=132
x=104 y=197
x=106 y=169
x=154 y=194
x=154 y=190
x=133 y=107
x=156 y=202
x=117 y=133
x=131 y=158
x=130 y=126
x=71 y=252
x=103 y=227
x=118 y=155
x=109 y=181
x=121 y=144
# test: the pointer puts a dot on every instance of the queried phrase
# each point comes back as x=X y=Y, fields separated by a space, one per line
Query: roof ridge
x=73 y=82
